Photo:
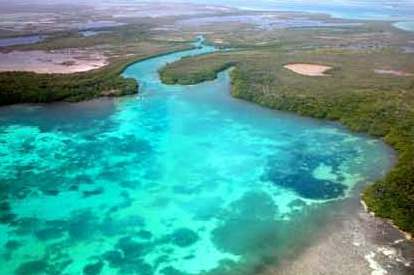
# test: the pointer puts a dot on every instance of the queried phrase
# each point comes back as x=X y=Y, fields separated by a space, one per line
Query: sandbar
x=308 y=69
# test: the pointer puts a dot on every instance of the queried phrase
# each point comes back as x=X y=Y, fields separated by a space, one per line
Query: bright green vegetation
x=380 y=105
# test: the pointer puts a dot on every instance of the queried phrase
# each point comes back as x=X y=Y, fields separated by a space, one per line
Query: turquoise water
x=178 y=180
x=405 y=25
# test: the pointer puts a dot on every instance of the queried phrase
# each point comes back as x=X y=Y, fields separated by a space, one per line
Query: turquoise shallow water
x=178 y=180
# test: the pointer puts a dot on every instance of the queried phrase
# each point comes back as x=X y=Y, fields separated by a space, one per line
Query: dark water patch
x=242 y=237
x=12 y=245
x=73 y=188
x=33 y=267
x=300 y=179
x=131 y=249
x=7 y=218
x=50 y=230
x=127 y=257
x=144 y=234
x=110 y=228
x=82 y=225
x=169 y=270
x=50 y=233
x=110 y=174
x=189 y=257
x=83 y=179
x=65 y=117
x=94 y=192
x=307 y=186
x=5 y=206
x=184 y=237
x=113 y=257
x=126 y=202
x=50 y=191
x=248 y=226
x=93 y=268
x=25 y=225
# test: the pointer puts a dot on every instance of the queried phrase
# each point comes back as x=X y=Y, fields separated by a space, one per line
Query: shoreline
x=362 y=186
x=352 y=242
x=372 y=221
x=408 y=236
x=372 y=230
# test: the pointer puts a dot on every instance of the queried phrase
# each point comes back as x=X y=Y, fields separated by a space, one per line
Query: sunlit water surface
x=179 y=180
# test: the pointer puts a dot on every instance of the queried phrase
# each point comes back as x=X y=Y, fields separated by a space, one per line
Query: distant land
x=215 y=138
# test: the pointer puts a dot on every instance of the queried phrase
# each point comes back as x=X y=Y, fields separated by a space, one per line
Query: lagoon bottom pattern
x=178 y=180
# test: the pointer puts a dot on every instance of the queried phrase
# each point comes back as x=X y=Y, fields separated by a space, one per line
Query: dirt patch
x=393 y=72
x=61 y=61
x=308 y=69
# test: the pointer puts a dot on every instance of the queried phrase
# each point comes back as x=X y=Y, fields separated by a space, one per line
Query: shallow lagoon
x=21 y=40
x=178 y=180
x=348 y=9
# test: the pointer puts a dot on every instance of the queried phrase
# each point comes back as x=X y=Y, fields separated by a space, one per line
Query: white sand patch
x=374 y=265
x=324 y=172
x=59 y=61
x=308 y=69
x=393 y=72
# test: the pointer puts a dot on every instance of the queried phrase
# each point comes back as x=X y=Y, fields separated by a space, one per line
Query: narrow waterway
x=177 y=180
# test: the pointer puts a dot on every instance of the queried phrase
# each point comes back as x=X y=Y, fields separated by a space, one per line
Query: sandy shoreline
x=58 y=61
x=353 y=242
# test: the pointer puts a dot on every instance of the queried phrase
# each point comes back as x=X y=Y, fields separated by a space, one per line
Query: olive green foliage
x=23 y=87
x=18 y=87
x=171 y=73
x=353 y=94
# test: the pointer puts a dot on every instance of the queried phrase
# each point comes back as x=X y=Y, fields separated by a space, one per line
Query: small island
x=308 y=69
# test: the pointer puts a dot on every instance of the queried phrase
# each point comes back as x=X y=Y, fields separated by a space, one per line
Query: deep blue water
x=177 y=180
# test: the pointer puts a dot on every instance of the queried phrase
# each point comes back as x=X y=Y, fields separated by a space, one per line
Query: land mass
x=370 y=87
x=354 y=95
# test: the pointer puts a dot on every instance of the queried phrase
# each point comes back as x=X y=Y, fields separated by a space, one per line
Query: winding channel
x=177 y=180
